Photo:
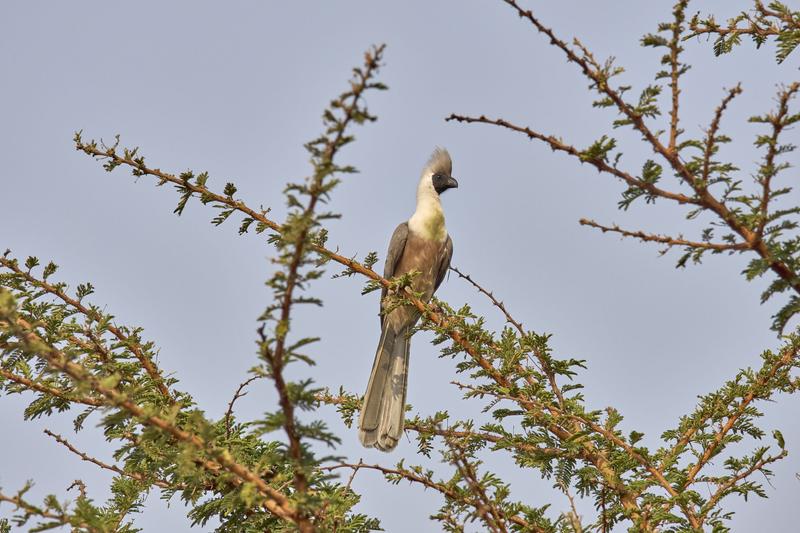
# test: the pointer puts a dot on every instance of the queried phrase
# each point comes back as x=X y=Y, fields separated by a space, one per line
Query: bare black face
x=442 y=182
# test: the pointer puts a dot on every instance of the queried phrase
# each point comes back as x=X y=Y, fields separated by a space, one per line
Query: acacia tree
x=266 y=474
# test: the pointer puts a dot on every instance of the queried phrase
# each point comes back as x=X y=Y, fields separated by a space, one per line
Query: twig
x=600 y=164
x=574 y=517
x=711 y=135
x=543 y=362
x=58 y=393
x=426 y=482
x=81 y=487
x=664 y=239
x=724 y=488
x=113 y=468
x=347 y=487
x=32 y=510
x=773 y=149
x=702 y=196
x=486 y=510
x=515 y=445
x=236 y=396
x=675 y=72
x=349 y=105
x=500 y=305
x=756 y=392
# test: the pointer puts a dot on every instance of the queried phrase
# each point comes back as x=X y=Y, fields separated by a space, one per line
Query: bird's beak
x=452 y=183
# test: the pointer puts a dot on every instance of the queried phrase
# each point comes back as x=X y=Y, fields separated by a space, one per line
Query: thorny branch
x=665 y=239
x=757 y=391
x=105 y=466
x=426 y=481
x=350 y=107
x=238 y=394
x=702 y=197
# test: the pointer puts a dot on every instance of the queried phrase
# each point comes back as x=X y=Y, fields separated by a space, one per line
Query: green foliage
x=73 y=353
x=775 y=20
x=269 y=474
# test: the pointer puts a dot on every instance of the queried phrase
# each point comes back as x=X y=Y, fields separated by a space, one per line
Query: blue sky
x=237 y=88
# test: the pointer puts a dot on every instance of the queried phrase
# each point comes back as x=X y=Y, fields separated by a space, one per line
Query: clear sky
x=235 y=88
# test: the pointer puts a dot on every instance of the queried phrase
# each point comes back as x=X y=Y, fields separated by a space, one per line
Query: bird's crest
x=439 y=162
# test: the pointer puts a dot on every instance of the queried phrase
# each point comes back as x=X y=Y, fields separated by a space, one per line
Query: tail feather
x=383 y=411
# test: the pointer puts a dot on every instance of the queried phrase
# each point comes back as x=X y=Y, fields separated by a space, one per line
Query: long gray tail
x=383 y=411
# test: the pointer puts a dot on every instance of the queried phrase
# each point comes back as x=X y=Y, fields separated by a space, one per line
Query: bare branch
x=665 y=239
x=113 y=468
x=600 y=164
x=238 y=394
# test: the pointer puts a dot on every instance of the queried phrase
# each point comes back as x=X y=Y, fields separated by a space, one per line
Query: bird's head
x=439 y=170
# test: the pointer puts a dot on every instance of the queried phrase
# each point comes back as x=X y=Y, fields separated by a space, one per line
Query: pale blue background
x=235 y=88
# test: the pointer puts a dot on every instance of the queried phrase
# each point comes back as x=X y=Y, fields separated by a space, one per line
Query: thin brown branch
x=238 y=394
x=600 y=164
x=675 y=73
x=347 y=488
x=756 y=392
x=80 y=485
x=510 y=444
x=655 y=472
x=711 y=135
x=573 y=516
x=31 y=510
x=500 y=305
x=413 y=477
x=52 y=391
x=758 y=27
x=700 y=29
x=493 y=517
x=350 y=107
x=665 y=239
x=724 y=488
x=773 y=148
x=543 y=362
x=113 y=468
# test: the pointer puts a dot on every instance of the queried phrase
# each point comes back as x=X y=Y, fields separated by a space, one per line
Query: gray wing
x=396 y=247
x=444 y=264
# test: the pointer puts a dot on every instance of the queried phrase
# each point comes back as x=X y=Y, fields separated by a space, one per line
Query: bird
x=421 y=244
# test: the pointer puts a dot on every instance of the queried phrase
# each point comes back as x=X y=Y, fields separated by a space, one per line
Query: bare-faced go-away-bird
x=422 y=245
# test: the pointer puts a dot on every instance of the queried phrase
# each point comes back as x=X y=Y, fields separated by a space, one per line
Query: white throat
x=428 y=219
